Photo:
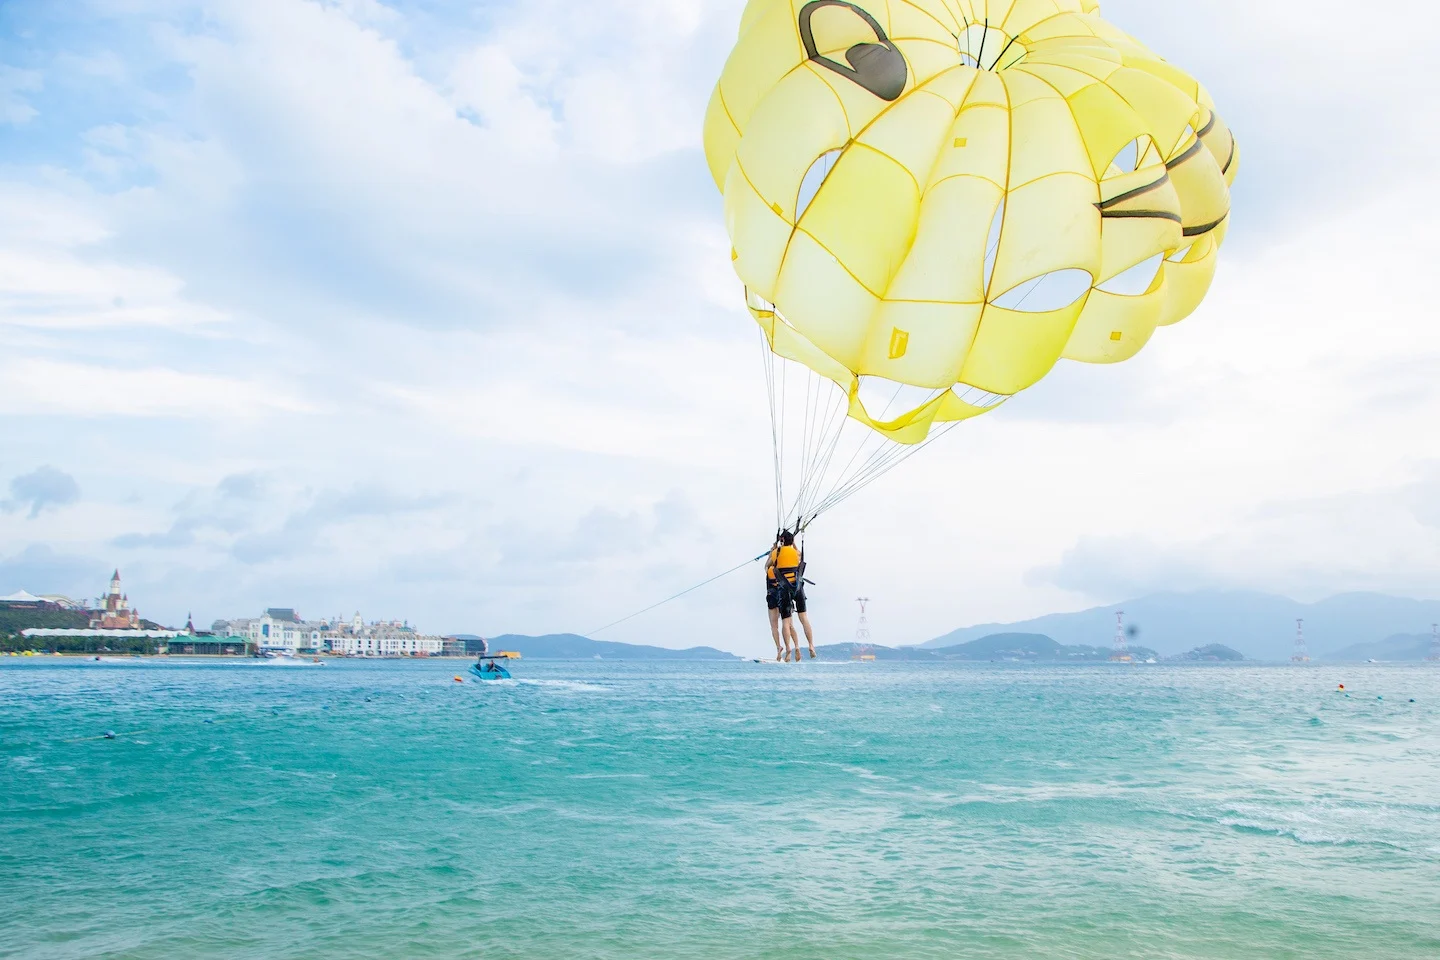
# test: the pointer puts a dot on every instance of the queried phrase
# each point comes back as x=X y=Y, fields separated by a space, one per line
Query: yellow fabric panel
x=941 y=15
x=769 y=49
x=754 y=10
x=987 y=90
x=1219 y=141
x=885 y=273
x=785 y=341
x=928 y=59
x=1062 y=26
x=946 y=261
x=1013 y=350
x=1044 y=140
x=1187 y=282
x=1100 y=63
x=1025 y=13
x=910 y=427
x=824 y=301
x=1167 y=73
x=1050 y=224
x=952 y=408
x=939 y=336
x=1095 y=340
x=953 y=86
x=1127 y=242
x=861 y=107
x=977 y=146
x=793 y=126
x=1066 y=80
x=721 y=138
x=865 y=215
x=1106 y=124
x=759 y=235
x=1204 y=198
x=1165 y=110
x=911 y=133
x=1140 y=214
x=1021 y=88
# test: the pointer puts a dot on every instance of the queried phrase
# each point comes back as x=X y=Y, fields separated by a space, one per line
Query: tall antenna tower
x=1119 y=650
x=1301 y=654
x=1434 y=643
x=862 y=649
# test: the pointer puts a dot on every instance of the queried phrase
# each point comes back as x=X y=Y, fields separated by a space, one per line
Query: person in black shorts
x=788 y=566
x=772 y=604
x=792 y=598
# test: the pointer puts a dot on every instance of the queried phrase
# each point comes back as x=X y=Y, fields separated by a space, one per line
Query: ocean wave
x=577 y=685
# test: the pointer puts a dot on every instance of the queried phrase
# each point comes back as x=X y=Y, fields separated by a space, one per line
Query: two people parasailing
x=785 y=596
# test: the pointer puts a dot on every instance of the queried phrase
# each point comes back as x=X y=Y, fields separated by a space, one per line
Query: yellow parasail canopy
x=945 y=197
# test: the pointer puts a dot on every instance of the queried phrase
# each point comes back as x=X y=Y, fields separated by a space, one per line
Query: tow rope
x=738 y=566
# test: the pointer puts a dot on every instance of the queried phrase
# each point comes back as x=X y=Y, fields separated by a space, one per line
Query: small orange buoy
x=459 y=679
x=1342 y=686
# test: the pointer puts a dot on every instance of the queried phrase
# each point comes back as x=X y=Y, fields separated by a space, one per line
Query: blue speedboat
x=488 y=668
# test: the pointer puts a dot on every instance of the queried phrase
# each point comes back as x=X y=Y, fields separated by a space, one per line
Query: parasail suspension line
x=676 y=596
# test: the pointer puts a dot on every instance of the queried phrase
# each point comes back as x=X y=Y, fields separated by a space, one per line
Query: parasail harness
x=791 y=580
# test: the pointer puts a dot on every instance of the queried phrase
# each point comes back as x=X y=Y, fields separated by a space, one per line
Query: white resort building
x=280 y=630
x=382 y=638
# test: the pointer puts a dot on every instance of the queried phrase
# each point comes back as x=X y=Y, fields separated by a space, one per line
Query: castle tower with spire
x=114 y=611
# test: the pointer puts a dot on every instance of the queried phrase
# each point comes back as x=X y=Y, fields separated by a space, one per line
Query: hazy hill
x=1402 y=646
x=1211 y=651
x=15 y=619
x=1031 y=646
x=1262 y=625
x=1005 y=646
x=570 y=646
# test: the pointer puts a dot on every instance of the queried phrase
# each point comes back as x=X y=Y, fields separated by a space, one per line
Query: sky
x=423 y=309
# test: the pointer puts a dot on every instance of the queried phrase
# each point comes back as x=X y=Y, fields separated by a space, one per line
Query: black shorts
x=792 y=601
x=772 y=596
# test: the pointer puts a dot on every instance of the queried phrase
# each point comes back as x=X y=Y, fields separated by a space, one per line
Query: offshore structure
x=1120 y=650
x=1301 y=654
x=1434 y=643
x=862 y=650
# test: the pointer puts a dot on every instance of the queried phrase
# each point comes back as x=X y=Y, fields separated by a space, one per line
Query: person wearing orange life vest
x=789 y=570
x=772 y=599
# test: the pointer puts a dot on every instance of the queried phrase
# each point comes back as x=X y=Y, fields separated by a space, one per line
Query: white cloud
x=46 y=387
x=15 y=108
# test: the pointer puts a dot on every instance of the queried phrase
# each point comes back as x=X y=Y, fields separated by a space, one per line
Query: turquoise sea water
x=624 y=810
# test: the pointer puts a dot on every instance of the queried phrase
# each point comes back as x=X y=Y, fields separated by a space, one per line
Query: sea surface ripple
x=715 y=810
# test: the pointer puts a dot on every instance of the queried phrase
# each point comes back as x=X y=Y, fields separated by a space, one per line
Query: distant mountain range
x=1030 y=647
x=1260 y=625
x=1402 y=646
x=570 y=646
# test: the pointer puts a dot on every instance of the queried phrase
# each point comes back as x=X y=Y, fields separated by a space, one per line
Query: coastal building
x=113 y=625
x=473 y=642
x=277 y=630
x=24 y=600
x=113 y=611
x=382 y=638
x=282 y=630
